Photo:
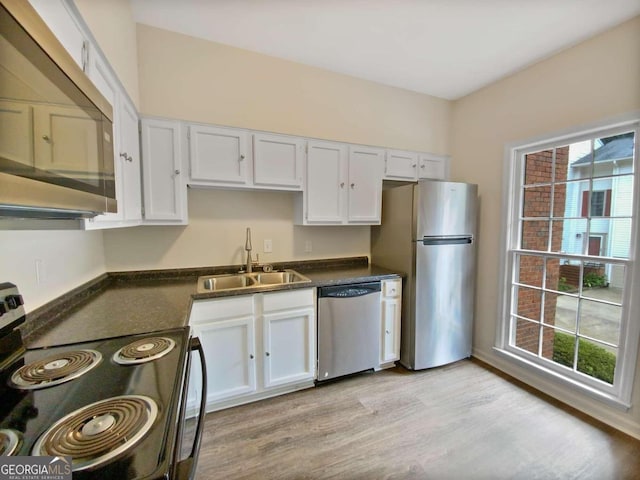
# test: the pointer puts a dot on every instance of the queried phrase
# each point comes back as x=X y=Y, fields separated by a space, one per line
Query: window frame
x=618 y=394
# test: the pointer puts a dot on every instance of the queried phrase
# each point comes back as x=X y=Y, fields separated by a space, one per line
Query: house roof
x=614 y=148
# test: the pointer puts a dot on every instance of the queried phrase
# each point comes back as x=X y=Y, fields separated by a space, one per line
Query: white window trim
x=618 y=394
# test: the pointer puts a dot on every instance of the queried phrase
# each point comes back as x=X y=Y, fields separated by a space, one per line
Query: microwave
x=56 y=131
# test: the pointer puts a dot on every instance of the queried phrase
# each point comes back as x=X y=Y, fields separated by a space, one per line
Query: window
x=569 y=266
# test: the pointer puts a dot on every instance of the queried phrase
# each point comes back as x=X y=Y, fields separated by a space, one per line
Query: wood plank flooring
x=462 y=421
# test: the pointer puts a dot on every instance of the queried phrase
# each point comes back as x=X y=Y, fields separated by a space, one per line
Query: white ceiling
x=445 y=48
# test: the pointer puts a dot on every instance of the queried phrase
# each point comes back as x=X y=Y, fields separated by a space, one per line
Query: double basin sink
x=218 y=283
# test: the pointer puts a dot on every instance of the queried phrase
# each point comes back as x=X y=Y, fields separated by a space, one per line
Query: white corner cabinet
x=411 y=166
x=343 y=185
x=391 y=309
x=237 y=158
x=256 y=346
x=164 y=187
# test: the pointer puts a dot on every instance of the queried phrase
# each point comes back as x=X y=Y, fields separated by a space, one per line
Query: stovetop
x=32 y=411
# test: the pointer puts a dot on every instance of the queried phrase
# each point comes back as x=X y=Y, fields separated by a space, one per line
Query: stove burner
x=144 y=350
x=99 y=432
x=55 y=369
x=10 y=440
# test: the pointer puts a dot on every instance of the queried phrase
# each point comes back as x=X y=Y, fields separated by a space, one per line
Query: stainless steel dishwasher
x=348 y=329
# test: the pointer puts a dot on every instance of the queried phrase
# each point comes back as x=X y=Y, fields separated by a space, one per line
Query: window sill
x=562 y=380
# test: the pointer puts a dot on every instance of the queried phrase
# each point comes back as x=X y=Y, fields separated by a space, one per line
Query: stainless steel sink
x=217 y=283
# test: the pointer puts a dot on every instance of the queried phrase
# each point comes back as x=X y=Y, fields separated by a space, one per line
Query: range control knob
x=14 y=301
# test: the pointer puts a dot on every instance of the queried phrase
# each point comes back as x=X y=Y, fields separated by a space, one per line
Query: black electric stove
x=115 y=406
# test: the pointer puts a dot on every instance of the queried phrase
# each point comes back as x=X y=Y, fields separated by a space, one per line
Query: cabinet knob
x=387 y=332
x=127 y=158
x=414 y=165
x=353 y=185
x=268 y=354
x=422 y=166
x=241 y=157
x=46 y=138
x=341 y=184
x=177 y=172
x=251 y=356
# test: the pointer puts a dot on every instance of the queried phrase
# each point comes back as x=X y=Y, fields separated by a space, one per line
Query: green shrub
x=592 y=279
x=593 y=360
x=563 y=286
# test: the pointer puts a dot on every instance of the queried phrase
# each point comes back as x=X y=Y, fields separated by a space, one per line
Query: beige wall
x=113 y=27
x=592 y=81
x=216 y=234
x=186 y=78
x=68 y=259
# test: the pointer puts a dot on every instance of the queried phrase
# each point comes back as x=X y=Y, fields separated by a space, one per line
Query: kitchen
x=159 y=78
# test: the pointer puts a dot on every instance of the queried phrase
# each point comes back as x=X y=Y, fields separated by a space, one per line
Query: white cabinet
x=401 y=165
x=16 y=135
x=435 y=167
x=278 y=161
x=390 y=322
x=63 y=23
x=365 y=185
x=218 y=156
x=343 y=185
x=165 y=192
x=256 y=346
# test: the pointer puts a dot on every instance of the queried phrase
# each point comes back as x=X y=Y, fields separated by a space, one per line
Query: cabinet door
x=65 y=27
x=390 y=338
x=218 y=155
x=16 y=134
x=289 y=347
x=129 y=160
x=229 y=352
x=325 y=191
x=401 y=165
x=365 y=185
x=278 y=161
x=433 y=166
x=164 y=190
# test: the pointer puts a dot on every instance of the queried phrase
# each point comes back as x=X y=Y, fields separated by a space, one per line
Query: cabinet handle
x=251 y=356
x=46 y=138
x=387 y=332
x=267 y=354
x=422 y=166
x=177 y=172
x=341 y=184
x=414 y=165
x=241 y=158
x=127 y=158
x=353 y=185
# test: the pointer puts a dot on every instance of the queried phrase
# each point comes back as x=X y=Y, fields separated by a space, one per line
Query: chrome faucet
x=247 y=247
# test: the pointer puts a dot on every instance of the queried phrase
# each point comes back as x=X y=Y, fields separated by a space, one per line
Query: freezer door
x=445 y=208
x=444 y=303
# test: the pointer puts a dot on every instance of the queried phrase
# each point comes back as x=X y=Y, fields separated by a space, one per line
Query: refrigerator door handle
x=447 y=240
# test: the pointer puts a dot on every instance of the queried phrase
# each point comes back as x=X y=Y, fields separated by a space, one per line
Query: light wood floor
x=463 y=421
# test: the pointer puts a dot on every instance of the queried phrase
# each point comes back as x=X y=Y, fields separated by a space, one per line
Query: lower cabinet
x=390 y=322
x=256 y=346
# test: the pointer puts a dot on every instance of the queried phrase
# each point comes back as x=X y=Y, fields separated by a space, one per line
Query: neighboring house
x=609 y=232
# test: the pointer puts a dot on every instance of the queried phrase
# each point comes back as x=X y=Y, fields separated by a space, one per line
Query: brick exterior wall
x=535 y=236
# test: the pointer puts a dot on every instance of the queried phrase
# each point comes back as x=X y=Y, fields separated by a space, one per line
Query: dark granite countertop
x=127 y=303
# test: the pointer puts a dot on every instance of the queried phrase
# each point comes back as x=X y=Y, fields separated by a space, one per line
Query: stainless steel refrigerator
x=428 y=231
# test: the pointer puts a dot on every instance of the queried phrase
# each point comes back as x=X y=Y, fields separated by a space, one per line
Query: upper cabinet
x=434 y=167
x=400 y=165
x=343 y=185
x=218 y=156
x=165 y=192
x=66 y=27
x=278 y=161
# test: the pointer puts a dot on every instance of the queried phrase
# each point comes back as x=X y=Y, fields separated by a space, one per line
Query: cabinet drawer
x=221 y=308
x=288 y=300
x=391 y=288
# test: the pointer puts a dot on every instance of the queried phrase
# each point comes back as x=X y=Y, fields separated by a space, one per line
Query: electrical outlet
x=268 y=245
x=308 y=247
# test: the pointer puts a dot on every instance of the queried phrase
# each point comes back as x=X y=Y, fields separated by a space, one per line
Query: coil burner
x=144 y=350
x=55 y=369
x=100 y=432
x=10 y=440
